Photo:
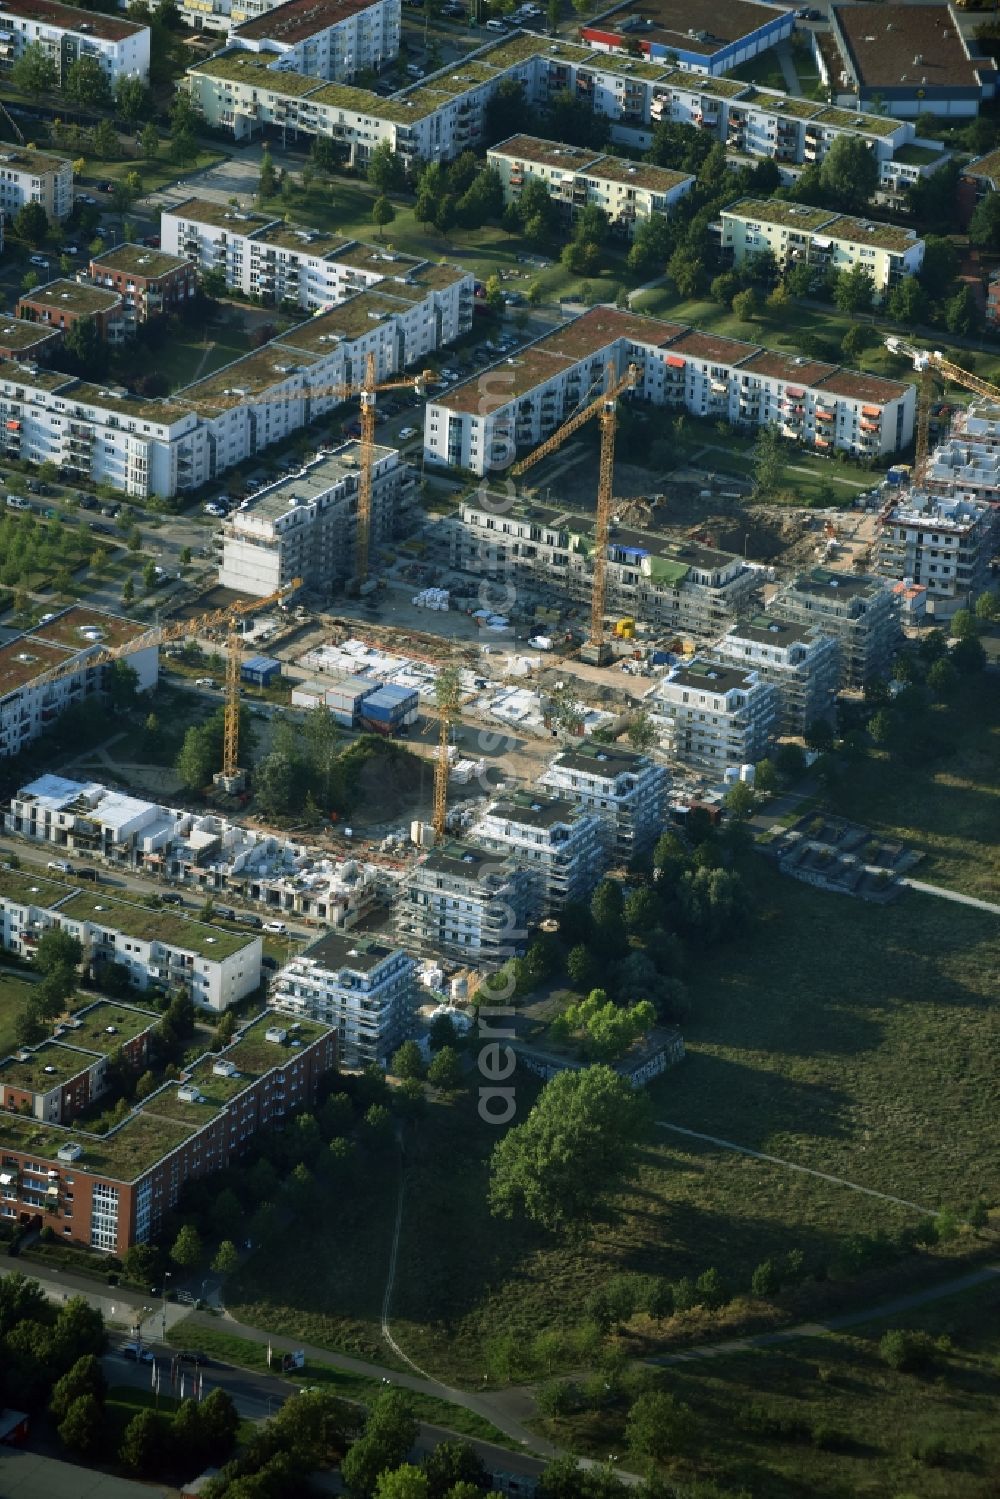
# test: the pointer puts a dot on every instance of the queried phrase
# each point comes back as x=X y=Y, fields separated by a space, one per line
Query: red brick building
x=110 y=1191
x=55 y=1081
x=25 y=342
x=60 y=304
x=148 y=281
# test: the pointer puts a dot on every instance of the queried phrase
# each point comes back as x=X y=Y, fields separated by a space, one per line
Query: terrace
x=356 y=316
x=520 y=376
x=145 y=925
x=124 y=403
x=781 y=104
x=712 y=88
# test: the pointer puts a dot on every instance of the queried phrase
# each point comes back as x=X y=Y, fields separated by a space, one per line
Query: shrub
x=907 y=1352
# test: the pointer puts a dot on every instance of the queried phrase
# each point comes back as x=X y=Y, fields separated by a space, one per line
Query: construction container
x=260 y=670
x=309 y=695
x=422 y=834
x=344 y=699
x=388 y=709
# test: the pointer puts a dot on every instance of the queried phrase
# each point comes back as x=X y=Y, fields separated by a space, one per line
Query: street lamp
x=163 y=1305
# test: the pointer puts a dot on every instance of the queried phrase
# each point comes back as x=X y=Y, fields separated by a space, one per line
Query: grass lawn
x=806 y=473
x=155 y=174
x=855 y=1040
x=764 y=70
x=229 y=1348
x=950 y=808
x=863 y=1428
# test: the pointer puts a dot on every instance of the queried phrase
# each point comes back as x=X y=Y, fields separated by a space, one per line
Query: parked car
x=214 y=508
x=277 y=928
x=102 y=530
x=18 y=502
x=61 y=866
x=105 y=187
x=87 y=874
x=171 y=898
x=225 y=913
x=247 y=918
x=38 y=260
x=87 y=199
x=192 y=1356
x=85 y=501
x=70 y=250
x=407 y=432
x=137 y=1353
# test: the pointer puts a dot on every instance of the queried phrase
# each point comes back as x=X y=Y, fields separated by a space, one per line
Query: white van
x=414 y=71
x=18 y=502
x=278 y=928
x=62 y=866
x=495 y=26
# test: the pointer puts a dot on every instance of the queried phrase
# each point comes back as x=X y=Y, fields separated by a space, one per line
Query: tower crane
x=605 y=408
x=447 y=695
x=230 y=777
x=927 y=363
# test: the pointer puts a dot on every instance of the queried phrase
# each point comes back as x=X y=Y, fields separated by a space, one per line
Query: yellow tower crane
x=928 y=363
x=447 y=695
x=605 y=409
x=227 y=618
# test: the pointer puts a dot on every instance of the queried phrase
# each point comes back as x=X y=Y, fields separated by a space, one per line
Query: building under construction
x=556 y=840
x=305 y=525
x=466 y=903
x=861 y=613
x=674 y=584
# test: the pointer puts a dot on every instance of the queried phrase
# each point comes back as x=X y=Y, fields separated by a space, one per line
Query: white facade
x=717 y=716
x=483 y=424
x=305 y=526
x=120 y=47
x=362 y=988
x=861 y=613
x=331 y=39
x=467 y=904
x=800 y=661
x=628 y=192
x=159 y=949
x=50 y=668
x=554 y=839
x=626 y=790
x=945 y=544
x=28 y=176
x=797 y=234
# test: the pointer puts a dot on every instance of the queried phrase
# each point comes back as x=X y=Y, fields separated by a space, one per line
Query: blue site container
x=260 y=670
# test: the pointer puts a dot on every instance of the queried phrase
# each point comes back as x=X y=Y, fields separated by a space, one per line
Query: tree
x=658 y=1426
x=406 y=1482
x=31 y=224
x=908 y=303
x=651 y=246
x=383 y=213
x=766 y=777
x=968 y=655
x=740 y=800
x=686 y=269
x=765 y=1280
x=906 y=1351
x=105 y=140
x=386 y=170
x=86 y=83
x=132 y=99
x=187 y=1248
x=576 y=1143
x=494 y=294
x=35 y=70
x=942 y=678
x=57 y=949
x=408 y=1061
x=142 y=1443
x=267 y=181
x=123 y=685
x=226 y=1258
x=745 y=304
x=149 y=141
x=451 y=1463
x=84 y=345
x=128 y=592
x=641 y=732
x=85 y=1377
x=848 y=174
x=82 y=1427
x=185 y=557
x=768 y=463
x=445 y=1070
x=608 y=1029
x=939 y=267
x=984 y=226
x=389 y=1433
x=854 y=290
x=961 y=313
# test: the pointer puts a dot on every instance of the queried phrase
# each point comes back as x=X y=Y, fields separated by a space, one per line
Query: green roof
x=662 y=570
x=254 y=1055
x=93 y=1030
x=133 y=1147
x=848 y=119
x=147 y=925
x=777 y=211
x=26 y=889
x=49 y=1066
x=254 y=70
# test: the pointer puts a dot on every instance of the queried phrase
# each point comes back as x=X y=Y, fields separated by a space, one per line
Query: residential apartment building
x=796 y=234
x=559 y=843
x=61 y=304
x=159 y=950
x=197 y=849
x=22 y=340
x=59 y=1078
x=107 y=1192
x=944 y=543
x=707 y=36
x=799 y=660
x=30 y=176
x=717 y=716
x=909 y=59
x=482 y=424
x=148 y=282
x=681 y=585
x=66 y=34
x=967 y=466
x=362 y=988
x=626 y=790
x=146 y=446
x=443 y=115
x=428 y=304
x=330 y=39
x=466 y=904
x=57 y=664
x=304 y=526
x=626 y=191
x=861 y=613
